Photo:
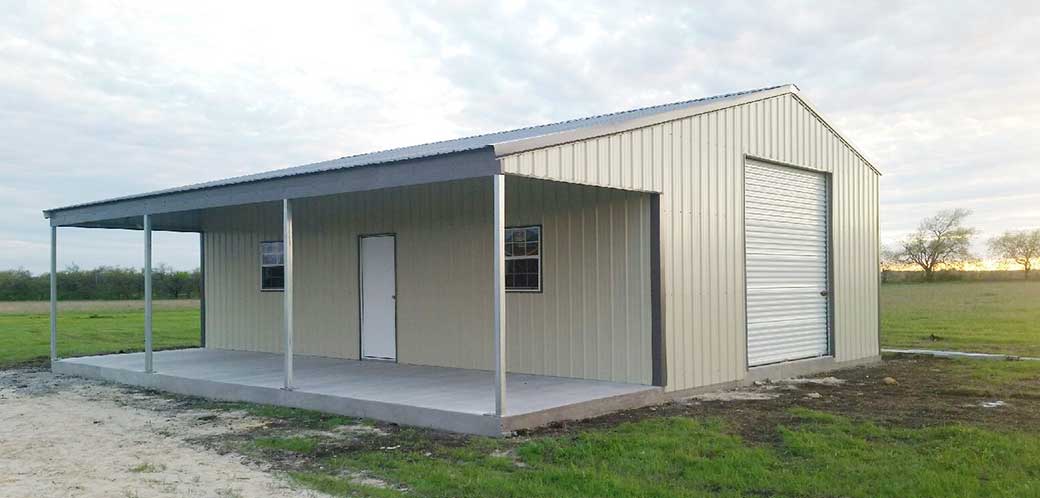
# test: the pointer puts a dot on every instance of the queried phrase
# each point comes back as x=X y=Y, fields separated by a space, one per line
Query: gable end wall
x=697 y=165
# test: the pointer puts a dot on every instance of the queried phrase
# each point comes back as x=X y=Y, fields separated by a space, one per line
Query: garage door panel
x=786 y=203
x=789 y=262
x=795 y=224
x=786 y=256
x=773 y=231
x=764 y=308
x=783 y=194
x=793 y=248
x=771 y=183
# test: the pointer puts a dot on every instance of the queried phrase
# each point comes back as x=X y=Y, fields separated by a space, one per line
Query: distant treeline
x=104 y=283
x=891 y=276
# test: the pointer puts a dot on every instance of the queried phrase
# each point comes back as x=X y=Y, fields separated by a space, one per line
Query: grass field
x=86 y=328
x=989 y=317
x=930 y=435
x=994 y=317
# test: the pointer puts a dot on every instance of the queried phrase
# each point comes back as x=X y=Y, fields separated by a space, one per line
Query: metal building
x=508 y=280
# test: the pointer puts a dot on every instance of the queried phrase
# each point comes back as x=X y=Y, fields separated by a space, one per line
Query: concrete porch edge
x=443 y=398
x=798 y=368
x=583 y=410
x=441 y=416
x=809 y=366
x=485 y=425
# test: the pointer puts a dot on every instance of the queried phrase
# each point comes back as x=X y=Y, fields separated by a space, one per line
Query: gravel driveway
x=63 y=436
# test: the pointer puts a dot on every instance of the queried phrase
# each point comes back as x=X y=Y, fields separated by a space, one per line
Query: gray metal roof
x=439 y=148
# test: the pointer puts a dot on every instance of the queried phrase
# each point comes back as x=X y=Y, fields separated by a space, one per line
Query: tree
x=941 y=241
x=889 y=261
x=1018 y=247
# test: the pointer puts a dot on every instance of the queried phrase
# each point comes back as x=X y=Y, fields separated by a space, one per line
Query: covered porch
x=454 y=399
x=436 y=328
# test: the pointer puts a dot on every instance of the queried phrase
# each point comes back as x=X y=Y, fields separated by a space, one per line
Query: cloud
x=106 y=99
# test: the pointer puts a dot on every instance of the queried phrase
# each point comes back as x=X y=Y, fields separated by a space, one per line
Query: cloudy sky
x=108 y=99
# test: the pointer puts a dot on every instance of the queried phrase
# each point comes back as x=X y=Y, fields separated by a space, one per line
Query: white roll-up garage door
x=786 y=255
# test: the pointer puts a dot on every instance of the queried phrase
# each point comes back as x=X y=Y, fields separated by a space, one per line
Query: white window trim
x=262 y=266
x=537 y=257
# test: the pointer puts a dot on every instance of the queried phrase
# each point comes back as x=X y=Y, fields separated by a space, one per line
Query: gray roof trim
x=120 y=213
x=618 y=126
x=447 y=160
x=429 y=150
x=855 y=150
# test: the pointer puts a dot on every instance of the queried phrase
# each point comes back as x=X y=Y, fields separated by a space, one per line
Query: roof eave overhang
x=446 y=167
x=457 y=165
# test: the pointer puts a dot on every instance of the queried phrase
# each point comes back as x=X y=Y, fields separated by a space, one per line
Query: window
x=524 y=259
x=272 y=266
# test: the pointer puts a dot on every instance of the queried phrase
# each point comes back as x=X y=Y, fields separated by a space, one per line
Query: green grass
x=25 y=337
x=990 y=317
x=293 y=444
x=294 y=417
x=998 y=317
x=819 y=456
x=147 y=468
x=338 y=486
x=994 y=378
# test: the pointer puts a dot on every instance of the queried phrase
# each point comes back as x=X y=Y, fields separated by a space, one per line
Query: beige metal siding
x=592 y=320
x=697 y=165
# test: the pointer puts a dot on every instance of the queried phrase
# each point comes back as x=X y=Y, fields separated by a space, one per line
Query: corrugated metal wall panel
x=592 y=319
x=697 y=165
x=238 y=314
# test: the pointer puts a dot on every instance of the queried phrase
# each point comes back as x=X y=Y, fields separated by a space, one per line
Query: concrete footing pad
x=452 y=399
x=960 y=354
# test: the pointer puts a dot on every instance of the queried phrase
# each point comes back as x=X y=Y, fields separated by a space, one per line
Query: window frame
x=262 y=266
x=539 y=257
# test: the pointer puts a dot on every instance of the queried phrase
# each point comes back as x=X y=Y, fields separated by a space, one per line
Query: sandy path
x=69 y=437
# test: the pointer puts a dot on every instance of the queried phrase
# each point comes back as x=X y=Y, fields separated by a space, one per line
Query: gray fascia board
x=855 y=150
x=447 y=167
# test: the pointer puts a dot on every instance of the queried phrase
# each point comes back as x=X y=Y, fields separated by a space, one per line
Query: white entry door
x=786 y=244
x=378 y=298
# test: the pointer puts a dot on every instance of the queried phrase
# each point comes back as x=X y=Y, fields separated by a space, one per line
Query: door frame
x=361 y=297
x=828 y=177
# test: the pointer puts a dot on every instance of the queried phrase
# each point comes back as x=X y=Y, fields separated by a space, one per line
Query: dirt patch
x=62 y=436
x=801 y=381
x=926 y=395
x=734 y=395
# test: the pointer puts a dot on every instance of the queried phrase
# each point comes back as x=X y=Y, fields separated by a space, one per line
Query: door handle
x=823 y=293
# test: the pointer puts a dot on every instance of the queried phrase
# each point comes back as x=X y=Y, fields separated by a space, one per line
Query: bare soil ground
x=928 y=393
x=61 y=436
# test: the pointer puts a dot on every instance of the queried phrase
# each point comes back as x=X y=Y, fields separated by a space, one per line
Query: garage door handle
x=823 y=293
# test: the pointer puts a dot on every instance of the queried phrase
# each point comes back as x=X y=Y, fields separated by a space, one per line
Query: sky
x=112 y=98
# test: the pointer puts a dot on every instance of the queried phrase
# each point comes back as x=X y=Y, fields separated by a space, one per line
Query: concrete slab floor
x=455 y=399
